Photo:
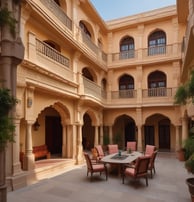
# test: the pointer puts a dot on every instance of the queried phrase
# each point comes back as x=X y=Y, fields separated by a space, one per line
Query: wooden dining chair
x=132 y=145
x=95 y=167
x=140 y=170
x=151 y=166
x=149 y=150
x=113 y=148
x=100 y=152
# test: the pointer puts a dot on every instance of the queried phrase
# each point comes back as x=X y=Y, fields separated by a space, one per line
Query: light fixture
x=29 y=102
x=36 y=125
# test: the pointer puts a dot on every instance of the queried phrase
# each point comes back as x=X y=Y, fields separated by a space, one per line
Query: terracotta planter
x=181 y=155
x=190 y=183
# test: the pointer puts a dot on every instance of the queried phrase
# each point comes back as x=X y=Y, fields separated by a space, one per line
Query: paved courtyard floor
x=167 y=185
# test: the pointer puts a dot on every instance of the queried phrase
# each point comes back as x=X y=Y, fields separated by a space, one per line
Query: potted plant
x=185 y=92
x=7 y=102
x=181 y=154
x=183 y=96
x=189 y=165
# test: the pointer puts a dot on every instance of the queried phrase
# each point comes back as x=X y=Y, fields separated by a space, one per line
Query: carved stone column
x=79 y=145
x=110 y=135
x=96 y=141
x=29 y=156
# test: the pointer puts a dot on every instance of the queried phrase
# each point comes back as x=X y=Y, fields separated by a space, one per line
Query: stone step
x=49 y=168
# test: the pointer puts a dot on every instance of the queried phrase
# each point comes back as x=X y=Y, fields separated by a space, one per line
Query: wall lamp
x=36 y=125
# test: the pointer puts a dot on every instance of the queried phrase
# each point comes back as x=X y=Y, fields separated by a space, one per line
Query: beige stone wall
x=56 y=89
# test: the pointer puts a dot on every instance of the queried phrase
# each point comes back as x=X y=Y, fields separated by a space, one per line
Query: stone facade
x=83 y=79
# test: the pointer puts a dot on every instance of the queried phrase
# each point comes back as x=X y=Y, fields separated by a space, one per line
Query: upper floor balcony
x=150 y=54
x=79 y=39
x=58 y=12
x=73 y=32
x=49 y=59
x=155 y=96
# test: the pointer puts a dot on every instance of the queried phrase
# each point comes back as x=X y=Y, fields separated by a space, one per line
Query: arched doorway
x=124 y=130
x=87 y=133
x=53 y=131
x=157 y=132
x=164 y=134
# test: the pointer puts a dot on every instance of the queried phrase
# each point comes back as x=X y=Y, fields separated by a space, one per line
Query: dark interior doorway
x=164 y=137
x=129 y=132
x=53 y=135
x=87 y=133
x=149 y=135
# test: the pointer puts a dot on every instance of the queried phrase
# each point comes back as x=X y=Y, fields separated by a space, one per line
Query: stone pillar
x=139 y=139
x=139 y=84
x=177 y=138
x=74 y=140
x=32 y=47
x=75 y=66
x=79 y=145
x=184 y=128
x=16 y=149
x=29 y=156
x=12 y=53
x=64 y=146
x=101 y=134
x=81 y=83
x=3 y=187
x=139 y=129
x=69 y=141
x=110 y=135
x=96 y=136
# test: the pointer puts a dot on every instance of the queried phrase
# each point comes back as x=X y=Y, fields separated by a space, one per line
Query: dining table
x=122 y=158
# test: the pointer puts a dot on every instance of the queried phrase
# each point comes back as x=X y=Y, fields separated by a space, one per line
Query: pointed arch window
x=157 y=43
x=84 y=29
x=103 y=88
x=86 y=73
x=57 y=2
x=157 y=84
x=127 y=48
x=126 y=86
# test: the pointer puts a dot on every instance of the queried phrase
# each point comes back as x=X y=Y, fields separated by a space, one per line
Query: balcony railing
x=158 y=92
x=127 y=54
x=60 y=14
x=156 y=95
x=142 y=54
x=91 y=88
x=123 y=94
x=124 y=55
x=100 y=56
x=50 y=52
x=89 y=42
x=157 y=50
x=161 y=51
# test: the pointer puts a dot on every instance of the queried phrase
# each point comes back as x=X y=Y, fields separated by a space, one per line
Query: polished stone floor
x=167 y=185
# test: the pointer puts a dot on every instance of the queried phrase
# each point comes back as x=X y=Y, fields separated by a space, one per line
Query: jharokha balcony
x=155 y=95
x=61 y=66
x=146 y=54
